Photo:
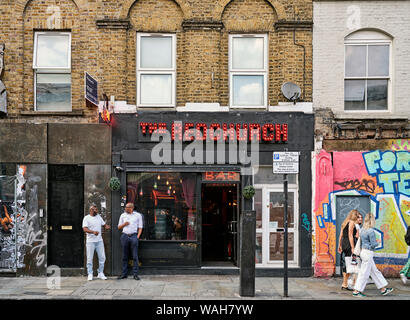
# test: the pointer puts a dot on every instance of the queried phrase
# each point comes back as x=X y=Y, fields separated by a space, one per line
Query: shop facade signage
x=189 y=131
x=221 y=176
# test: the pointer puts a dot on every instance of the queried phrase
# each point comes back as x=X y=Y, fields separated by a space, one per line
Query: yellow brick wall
x=108 y=53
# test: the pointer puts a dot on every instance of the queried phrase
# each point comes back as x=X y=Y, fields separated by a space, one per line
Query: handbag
x=357 y=248
x=351 y=268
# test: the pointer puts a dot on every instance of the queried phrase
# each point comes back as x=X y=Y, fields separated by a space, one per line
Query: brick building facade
x=105 y=39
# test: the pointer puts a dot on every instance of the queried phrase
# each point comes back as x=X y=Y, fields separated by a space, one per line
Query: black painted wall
x=131 y=151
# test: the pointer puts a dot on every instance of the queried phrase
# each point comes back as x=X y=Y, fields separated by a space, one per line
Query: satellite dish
x=291 y=91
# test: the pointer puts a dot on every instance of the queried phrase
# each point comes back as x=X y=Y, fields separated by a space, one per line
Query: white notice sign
x=286 y=162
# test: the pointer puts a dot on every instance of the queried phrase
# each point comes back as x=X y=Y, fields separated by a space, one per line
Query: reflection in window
x=248 y=70
x=258 y=250
x=276 y=246
x=367 y=75
x=52 y=67
x=167 y=201
x=156 y=69
x=277 y=210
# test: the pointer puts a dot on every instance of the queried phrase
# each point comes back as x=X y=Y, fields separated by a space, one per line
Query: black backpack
x=407 y=236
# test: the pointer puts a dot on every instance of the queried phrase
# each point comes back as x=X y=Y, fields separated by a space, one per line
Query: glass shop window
x=167 y=201
x=52 y=71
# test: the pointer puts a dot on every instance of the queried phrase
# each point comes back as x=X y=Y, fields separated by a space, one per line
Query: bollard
x=247 y=253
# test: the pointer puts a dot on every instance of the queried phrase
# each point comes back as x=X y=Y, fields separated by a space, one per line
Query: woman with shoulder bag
x=347 y=240
x=368 y=267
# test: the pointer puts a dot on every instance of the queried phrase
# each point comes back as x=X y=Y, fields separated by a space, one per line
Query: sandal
x=347 y=288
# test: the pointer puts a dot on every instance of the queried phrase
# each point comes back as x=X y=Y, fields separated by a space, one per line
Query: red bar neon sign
x=269 y=132
x=220 y=176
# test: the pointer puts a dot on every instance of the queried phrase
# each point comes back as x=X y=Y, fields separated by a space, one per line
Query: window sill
x=52 y=113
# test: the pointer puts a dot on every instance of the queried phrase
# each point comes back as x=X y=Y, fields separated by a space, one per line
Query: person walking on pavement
x=131 y=225
x=368 y=267
x=347 y=241
x=92 y=224
x=405 y=272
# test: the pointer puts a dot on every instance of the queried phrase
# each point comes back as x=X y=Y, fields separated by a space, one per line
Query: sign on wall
x=91 y=89
x=286 y=162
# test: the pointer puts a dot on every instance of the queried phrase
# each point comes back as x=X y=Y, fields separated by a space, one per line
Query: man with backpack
x=405 y=272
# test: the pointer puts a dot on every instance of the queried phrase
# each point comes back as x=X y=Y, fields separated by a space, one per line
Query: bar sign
x=91 y=89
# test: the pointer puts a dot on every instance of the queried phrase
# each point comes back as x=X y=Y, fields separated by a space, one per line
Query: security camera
x=119 y=168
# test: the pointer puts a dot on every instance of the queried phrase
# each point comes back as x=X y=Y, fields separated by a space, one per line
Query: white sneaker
x=403 y=278
x=102 y=276
x=90 y=277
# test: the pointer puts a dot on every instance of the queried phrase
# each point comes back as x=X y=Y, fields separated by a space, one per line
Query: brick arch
x=21 y=5
x=221 y=5
x=183 y=4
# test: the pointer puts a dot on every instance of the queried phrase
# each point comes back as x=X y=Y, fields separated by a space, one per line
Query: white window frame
x=246 y=72
x=365 y=41
x=50 y=70
x=165 y=71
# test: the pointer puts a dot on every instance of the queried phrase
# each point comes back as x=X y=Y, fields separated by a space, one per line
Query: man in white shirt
x=92 y=224
x=131 y=225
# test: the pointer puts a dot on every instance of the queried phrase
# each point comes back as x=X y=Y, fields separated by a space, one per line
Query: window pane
x=53 y=92
x=276 y=246
x=257 y=204
x=156 y=52
x=265 y=175
x=376 y=94
x=258 y=249
x=355 y=64
x=156 y=89
x=167 y=201
x=277 y=210
x=247 y=53
x=355 y=94
x=53 y=51
x=248 y=91
x=378 y=61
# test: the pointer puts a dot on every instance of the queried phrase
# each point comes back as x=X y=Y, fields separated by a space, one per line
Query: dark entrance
x=66 y=212
x=219 y=224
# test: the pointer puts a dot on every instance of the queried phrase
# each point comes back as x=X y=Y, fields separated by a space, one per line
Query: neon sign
x=220 y=176
x=189 y=131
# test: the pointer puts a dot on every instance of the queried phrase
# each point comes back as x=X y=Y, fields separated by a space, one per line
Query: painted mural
x=22 y=242
x=377 y=181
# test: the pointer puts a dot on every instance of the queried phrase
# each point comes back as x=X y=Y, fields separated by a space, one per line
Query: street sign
x=91 y=89
x=286 y=162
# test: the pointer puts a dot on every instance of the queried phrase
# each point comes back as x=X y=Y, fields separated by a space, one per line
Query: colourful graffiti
x=382 y=177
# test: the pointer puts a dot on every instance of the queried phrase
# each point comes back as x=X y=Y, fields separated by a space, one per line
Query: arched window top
x=368 y=35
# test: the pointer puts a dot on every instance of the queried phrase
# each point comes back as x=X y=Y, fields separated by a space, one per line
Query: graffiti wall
x=23 y=237
x=375 y=181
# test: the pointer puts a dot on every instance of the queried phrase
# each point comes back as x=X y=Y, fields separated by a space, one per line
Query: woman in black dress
x=347 y=241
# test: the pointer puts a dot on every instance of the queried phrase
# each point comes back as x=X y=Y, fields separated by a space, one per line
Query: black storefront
x=185 y=172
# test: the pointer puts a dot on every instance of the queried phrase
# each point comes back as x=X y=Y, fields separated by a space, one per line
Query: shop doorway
x=66 y=212
x=219 y=224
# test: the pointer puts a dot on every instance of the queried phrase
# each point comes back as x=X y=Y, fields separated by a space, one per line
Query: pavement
x=187 y=287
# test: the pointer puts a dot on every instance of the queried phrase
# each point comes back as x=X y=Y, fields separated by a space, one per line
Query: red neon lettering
x=265 y=128
x=241 y=134
x=188 y=134
x=230 y=131
x=212 y=131
x=281 y=132
x=254 y=130
x=198 y=131
x=209 y=175
x=176 y=131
